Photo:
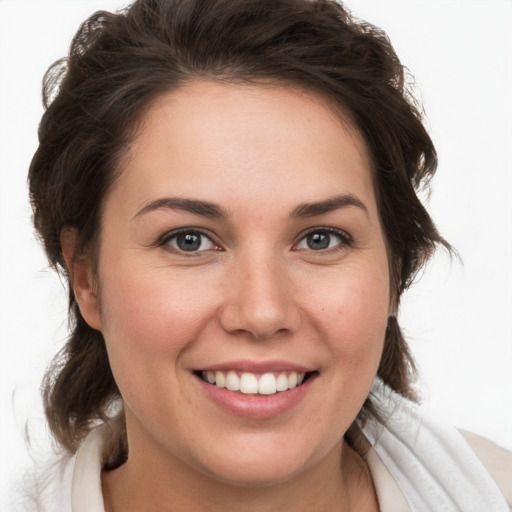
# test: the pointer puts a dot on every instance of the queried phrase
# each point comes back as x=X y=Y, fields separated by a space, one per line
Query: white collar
x=86 y=495
x=432 y=464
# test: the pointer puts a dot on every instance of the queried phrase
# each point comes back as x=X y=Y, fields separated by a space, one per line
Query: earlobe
x=81 y=277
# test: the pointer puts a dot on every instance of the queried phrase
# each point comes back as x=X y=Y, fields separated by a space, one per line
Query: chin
x=259 y=475
x=261 y=464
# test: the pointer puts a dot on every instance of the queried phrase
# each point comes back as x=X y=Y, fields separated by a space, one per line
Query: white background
x=458 y=317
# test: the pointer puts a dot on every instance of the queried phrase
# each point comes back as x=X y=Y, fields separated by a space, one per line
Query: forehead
x=211 y=137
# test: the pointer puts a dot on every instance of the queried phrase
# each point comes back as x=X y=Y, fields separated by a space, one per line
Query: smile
x=256 y=390
x=249 y=383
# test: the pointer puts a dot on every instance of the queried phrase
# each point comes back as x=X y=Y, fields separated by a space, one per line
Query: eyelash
x=345 y=240
x=166 y=239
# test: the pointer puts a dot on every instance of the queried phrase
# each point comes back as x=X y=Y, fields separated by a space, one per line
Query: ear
x=81 y=277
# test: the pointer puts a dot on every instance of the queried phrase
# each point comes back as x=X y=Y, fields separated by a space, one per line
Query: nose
x=259 y=298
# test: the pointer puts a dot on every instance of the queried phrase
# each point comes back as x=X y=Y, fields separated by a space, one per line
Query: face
x=241 y=247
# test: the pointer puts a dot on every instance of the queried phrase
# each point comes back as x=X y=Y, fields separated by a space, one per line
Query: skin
x=257 y=291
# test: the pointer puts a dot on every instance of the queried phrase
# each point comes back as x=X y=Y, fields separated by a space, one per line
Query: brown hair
x=119 y=63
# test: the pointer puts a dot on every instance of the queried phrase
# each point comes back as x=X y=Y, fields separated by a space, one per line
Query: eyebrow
x=203 y=208
x=214 y=211
x=329 y=205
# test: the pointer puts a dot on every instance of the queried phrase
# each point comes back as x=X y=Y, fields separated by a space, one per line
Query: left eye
x=190 y=241
x=321 y=240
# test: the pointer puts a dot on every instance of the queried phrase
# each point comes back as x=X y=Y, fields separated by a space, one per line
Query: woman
x=229 y=187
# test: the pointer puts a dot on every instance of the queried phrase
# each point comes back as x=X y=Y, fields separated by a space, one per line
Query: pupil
x=318 y=241
x=189 y=242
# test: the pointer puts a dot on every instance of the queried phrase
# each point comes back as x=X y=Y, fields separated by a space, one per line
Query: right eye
x=189 y=241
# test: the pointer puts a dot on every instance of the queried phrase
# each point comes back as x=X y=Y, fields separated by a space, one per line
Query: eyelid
x=345 y=237
x=164 y=240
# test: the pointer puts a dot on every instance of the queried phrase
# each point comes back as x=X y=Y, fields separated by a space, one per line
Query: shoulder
x=496 y=460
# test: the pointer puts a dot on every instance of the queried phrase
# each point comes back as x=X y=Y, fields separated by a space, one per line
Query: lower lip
x=257 y=406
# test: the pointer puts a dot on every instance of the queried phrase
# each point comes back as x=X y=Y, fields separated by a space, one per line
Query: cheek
x=352 y=312
x=156 y=310
x=149 y=322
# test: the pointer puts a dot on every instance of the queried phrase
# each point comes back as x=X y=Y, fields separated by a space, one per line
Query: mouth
x=248 y=383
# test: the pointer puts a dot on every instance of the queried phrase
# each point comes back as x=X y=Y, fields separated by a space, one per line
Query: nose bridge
x=259 y=298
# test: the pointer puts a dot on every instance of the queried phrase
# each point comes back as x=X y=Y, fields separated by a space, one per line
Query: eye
x=323 y=239
x=189 y=241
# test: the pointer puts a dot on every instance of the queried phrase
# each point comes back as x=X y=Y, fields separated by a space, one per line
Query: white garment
x=432 y=464
x=417 y=465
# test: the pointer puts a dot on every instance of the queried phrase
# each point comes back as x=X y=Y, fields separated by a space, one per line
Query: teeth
x=220 y=380
x=250 y=383
x=232 y=381
x=267 y=384
x=292 y=380
x=282 y=382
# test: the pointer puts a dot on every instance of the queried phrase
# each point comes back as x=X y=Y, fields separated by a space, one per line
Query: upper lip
x=246 y=365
